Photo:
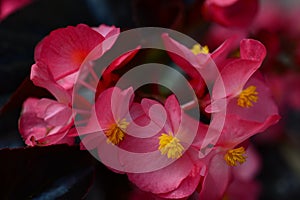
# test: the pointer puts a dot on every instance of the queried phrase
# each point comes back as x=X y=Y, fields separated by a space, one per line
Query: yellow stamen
x=247 y=96
x=197 y=49
x=170 y=145
x=235 y=155
x=116 y=132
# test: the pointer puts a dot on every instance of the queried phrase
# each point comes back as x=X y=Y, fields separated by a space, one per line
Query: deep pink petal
x=235 y=75
x=64 y=50
x=237 y=72
x=121 y=61
x=174 y=112
x=252 y=50
x=180 y=54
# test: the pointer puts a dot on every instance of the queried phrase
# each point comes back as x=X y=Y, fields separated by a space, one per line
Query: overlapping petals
x=44 y=122
x=181 y=177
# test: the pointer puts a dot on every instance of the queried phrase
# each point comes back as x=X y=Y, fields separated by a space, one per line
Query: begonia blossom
x=181 y=177
x=44 y=122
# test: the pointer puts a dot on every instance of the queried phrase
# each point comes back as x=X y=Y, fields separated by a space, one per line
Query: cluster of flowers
x=281 y=66
x=222 y=165
x=230 y=161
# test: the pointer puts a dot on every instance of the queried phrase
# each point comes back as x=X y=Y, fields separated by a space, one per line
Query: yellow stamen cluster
x=247 y=96
x=116 y=132
x=235 y=155
x=170 y=146
x=197 y=49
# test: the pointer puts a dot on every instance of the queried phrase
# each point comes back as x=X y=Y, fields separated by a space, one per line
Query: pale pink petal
x=110 y=33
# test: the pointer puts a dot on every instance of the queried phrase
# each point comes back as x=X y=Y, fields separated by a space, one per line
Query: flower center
x=235 y=155
x=197 y=49
x=116 y=132
x=170 y=146
x=247 y=96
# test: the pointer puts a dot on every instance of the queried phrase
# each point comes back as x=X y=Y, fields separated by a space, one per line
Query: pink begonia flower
x=8 y=7
x=58 y=59
x=180 y=178
x=236 y=73
x=64 y=51
x=228 y=160
x=44 y=122
x=243 y=184
x=198 y=59
x=250 y=108
x=231 y=13
x=243 y=120
x=110 y=118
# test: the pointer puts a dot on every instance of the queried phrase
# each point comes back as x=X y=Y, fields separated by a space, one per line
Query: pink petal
x=56 y=114
x=36 y=129
x=41 y=76
x=252 y=50
x=121 y=61
x=164 y=180
x=249 y=169
x=264 y=108
x=64 y=50
x=174 y=112
x=113 y=105
x=110 y=33
x=107 y=31
x=216 y=180
x=187 y=186
x=180 y=54
x=237 y=130
x=237 y=72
